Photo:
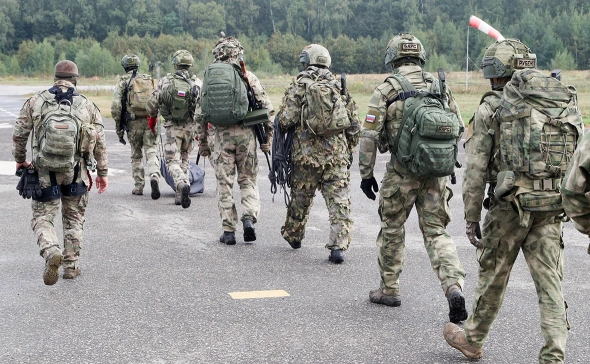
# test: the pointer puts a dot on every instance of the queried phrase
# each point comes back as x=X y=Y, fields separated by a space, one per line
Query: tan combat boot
x=137 y=191
x=455 y=336
x=71 y=273
x=377 y=296
x=53 y=261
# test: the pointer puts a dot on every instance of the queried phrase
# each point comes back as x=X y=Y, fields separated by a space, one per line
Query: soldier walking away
x=326 y=130
x=225 y=105
x=67 y=139
x=523 y=198
x=128 y=109
x=176 y=97
x=403 y=185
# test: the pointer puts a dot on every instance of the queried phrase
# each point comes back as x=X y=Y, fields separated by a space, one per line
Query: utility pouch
x=255 y=117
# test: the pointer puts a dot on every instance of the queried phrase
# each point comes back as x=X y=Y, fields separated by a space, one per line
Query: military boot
x=53 y=261
x=457 y=312
x=336 y=256
x=455 y=336
x=71 y=273
x=377 y=296
x=185 y=189
x=137 y=191
x=155 y=184
x=177 y=197
x=249 y=231
x=228 y=238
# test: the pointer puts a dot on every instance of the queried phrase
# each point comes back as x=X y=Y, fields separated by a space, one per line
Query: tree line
x=97 y=33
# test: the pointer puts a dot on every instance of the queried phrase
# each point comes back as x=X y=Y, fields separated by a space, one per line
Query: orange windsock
x=481 y=25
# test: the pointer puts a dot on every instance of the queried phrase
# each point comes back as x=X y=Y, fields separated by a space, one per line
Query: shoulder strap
x=408 y=89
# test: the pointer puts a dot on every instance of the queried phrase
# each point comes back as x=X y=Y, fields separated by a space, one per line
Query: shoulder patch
x=371 y=119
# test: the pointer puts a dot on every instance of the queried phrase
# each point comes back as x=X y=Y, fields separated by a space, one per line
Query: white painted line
x=258 y=294
x=5 y=126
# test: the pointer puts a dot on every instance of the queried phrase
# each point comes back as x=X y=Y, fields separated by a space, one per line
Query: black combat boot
x=457 y=312
x=249 y=231
x=336 y=256
x=228 y=237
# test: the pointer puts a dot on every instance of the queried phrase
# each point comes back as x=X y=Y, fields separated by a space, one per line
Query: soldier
x=235 y=148
x=320 y=160
x=176 y=97
x=401 y=189
x=507 y=227
x=133 y=90
x=60 y=169
x=576 y=188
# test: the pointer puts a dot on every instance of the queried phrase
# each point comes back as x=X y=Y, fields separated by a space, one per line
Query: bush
x=96 y=61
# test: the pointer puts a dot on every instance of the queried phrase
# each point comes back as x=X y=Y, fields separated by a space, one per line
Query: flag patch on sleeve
x=370 y=118
x=181 y=93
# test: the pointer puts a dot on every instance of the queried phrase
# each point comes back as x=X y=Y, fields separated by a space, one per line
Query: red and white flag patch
x=181 y=93
x=370 y=118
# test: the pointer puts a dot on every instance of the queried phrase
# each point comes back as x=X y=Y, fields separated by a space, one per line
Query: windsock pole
x=467 y=64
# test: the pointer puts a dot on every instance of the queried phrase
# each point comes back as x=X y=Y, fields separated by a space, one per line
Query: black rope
x=282 y=165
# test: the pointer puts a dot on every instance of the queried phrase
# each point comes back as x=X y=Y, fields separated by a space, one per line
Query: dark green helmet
x=502 y=58
x=130 y=61
x=405 y=46
x=315 y=55
x=182 y=57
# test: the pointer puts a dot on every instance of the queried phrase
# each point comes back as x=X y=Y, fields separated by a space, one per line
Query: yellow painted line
x=258 y=294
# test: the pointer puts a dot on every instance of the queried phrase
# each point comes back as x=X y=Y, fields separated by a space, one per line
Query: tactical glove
x=368 y=186
x=204 y=150
x=152 y=123
x=120 y=134
x=265 y=148
x=30 y=184
x=473 y=232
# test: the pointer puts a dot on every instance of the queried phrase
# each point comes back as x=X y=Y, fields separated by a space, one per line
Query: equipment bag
x=224 y=97
x=426 y=142
x=196 y=174
x=140 y=90
x=540 y=125
x=180 y=99
x=323 y=110
x=58 y=132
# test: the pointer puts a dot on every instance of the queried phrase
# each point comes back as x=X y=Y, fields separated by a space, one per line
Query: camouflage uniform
x=234 y=147
x=576 y=188
x=400 y=190
x=179 y=136
x=319 y=163
x=504 y=237
x=139 y=136
x=72 y=207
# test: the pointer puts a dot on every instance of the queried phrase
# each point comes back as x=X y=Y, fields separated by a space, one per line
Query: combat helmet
x=182 y=59
x=67 y=70
x=315 y=55
x=130 y=62
x=404 y=47
x=502 y=58
x=227 y=49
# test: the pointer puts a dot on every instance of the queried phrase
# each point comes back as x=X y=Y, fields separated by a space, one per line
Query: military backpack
x=426 y=142
x=179 y=99
x=540 y=125
x=140 y=89
x=224 y=98
x=323 y=109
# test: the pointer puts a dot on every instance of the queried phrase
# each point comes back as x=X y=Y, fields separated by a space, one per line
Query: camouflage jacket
x=261 y=95
x=481 y=153
x=309 y=148
x=29 y=120
x=156 y=100
x=373 y=136
x=117 y=103
x=575 y=187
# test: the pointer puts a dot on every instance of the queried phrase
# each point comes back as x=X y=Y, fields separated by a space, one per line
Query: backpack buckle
x=55 y=190
x=73 y=188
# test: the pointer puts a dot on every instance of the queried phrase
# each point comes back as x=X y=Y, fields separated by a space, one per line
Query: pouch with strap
x=224 y=99
x=140 y=90
x=323 y=111
x=540 y=125
x=180 y=99
x=426 y=142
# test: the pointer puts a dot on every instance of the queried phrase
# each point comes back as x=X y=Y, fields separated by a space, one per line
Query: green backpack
x=540 y=125
x=323 y=110
x=224 y=99
x=426 y=142
x=180 y=99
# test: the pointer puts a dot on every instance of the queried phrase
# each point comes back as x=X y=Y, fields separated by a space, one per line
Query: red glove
x=152 y=123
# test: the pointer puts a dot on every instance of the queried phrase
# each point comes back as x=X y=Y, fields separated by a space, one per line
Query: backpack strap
x=408 y=90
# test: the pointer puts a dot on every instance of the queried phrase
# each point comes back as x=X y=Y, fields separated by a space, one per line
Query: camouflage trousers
x=334 y=183
x=542 y=247
x=142 y=140
x=235 y=149
x=398 y=194
x=179 y=145
x=72 y=217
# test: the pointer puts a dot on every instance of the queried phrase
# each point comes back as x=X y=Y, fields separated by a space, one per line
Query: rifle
x=443 y=97
x=125 y=116
x=254 y=104
x=343 y=92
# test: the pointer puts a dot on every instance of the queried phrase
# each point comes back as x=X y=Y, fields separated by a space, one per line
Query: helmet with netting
x=227 y=49
x=502 y=58
x=182 y=57
x=403 y=48
x=315 y=55
x=130 y=61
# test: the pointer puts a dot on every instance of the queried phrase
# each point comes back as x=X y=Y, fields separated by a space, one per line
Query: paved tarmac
x=156 y=283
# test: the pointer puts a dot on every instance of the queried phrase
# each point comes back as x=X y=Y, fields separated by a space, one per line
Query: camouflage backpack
x=540 y=125
x=56 y=145
x=140 y=88
x=180 y=99
x=225 y=99
x=426 y=142
x=323 y=111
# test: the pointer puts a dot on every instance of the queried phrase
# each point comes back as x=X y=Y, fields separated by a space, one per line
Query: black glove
x=368 y=186
x=122 y=141
x=473 y=232
x=30 y=184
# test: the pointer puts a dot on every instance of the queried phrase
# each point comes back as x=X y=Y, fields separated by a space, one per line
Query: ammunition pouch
x=255 y=117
